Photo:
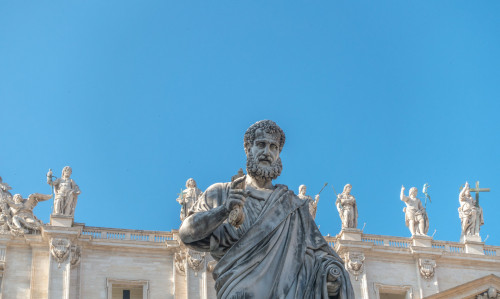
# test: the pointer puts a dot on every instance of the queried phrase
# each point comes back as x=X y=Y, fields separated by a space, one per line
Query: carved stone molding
x=427 y=268
x=180 y=261
x=491 y=293
x=75 y=255
x=60 y=249
x=355 y=263
x=195 y=260
x=211 y=265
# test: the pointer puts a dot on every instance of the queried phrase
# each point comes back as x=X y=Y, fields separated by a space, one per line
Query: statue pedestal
x=421 y=241
x=470 y=238
x=350 y=234
x=64 y=257
x=61 y=220
x=473 y=244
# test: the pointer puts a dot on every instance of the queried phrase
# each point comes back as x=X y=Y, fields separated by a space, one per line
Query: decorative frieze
x=180 y=261
x=427 y=267
x=60 y=249
x=75 y=255
x=355 y=263
x=491 y=293
x=195 y=260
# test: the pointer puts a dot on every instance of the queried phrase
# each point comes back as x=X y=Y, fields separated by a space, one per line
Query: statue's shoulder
x=216 y=191
x=218 y=186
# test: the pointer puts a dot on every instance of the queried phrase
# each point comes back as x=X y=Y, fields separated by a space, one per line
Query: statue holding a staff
x=188 y=197
x=313 y=203
x=66 y=192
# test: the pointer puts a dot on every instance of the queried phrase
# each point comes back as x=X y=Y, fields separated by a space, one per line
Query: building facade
x=72 y=260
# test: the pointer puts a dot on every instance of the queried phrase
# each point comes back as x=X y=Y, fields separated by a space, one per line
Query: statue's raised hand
x=235 y=202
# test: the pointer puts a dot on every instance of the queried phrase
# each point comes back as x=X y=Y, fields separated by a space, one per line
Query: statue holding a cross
x=471 y=214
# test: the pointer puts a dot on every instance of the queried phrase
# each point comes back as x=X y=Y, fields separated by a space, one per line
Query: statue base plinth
x=61 y=220
x=470 y=238
x=421 y=240
x=350 y=234
x=473 y=244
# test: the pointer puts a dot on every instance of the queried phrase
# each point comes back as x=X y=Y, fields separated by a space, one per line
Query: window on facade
x=126 y=292
x=127 y=289
x=392 y=296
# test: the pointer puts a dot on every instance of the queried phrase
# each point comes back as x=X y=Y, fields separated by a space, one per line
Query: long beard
x=263 y=172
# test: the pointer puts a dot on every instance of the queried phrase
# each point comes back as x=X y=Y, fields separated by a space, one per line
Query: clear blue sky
x=139 y=96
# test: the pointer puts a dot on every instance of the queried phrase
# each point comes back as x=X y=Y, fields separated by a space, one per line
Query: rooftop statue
x=348 y=210
x=313 y=204
x=471 y=214
x=66 y=192
x=188 y=197
x=415 y=214
x=16 y=213
x=265 y=241
x=238 y=175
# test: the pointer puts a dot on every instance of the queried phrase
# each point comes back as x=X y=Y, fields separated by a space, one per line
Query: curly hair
x=268 y=126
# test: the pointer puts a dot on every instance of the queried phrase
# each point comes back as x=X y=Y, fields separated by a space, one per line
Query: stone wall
x=156 y=265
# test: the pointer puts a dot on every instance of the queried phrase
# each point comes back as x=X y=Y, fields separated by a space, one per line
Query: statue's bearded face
x=263 y=156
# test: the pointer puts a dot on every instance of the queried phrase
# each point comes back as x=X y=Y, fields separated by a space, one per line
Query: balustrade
x=127 y=235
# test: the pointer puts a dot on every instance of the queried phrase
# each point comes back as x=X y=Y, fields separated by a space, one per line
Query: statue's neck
x=259 y=183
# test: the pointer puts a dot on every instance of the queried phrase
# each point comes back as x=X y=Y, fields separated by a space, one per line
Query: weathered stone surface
x=415 y=213
x=263 y=236
x=188 y=197
x=66 y=192
x=471 y=215
x=347 y=208
x=313 y=203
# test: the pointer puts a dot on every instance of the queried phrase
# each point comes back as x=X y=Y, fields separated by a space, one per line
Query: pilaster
x=64 y=252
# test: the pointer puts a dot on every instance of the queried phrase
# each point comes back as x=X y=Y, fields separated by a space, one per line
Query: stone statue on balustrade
x=188 y=197
x=415 y=213
x=347 y=208
x=263 y=236
x=238 y=175
x=16 y=213
x=5 y=214
x=471 y=214
x=66 y=192
x=313 y=203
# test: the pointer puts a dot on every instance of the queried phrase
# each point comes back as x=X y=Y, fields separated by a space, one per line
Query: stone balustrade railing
x=402 y=242
x=128 y=235
x=377 y=240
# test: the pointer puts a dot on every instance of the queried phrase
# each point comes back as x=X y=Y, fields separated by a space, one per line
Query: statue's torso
x=64 y=187
x=413 y=204
x=347 y=201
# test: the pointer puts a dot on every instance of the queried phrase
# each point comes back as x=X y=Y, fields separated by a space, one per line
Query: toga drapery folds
x=278 y=251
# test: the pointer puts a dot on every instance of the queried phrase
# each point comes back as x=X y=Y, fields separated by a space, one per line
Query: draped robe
x=278 y=251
